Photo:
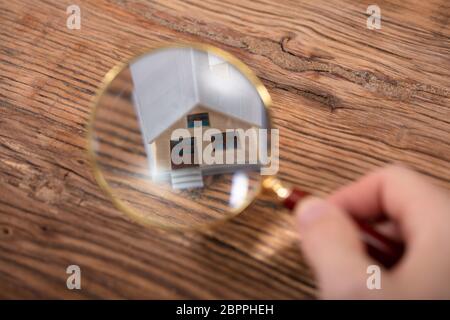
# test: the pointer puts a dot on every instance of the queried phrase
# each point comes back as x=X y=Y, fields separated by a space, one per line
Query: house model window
x=202 y=118
x=184 y=144
x=231 y=143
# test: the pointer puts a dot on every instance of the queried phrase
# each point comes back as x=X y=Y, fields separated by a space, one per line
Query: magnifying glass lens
x=175 y=138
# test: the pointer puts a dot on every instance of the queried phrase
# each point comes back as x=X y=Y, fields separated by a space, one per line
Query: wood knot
x=6 y=231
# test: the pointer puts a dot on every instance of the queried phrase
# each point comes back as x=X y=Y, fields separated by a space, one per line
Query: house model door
x=188 y=145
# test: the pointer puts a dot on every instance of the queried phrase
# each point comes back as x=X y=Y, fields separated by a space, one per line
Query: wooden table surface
x=346 y=99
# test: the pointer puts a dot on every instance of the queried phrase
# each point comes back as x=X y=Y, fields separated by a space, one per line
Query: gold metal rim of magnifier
x=129 y=211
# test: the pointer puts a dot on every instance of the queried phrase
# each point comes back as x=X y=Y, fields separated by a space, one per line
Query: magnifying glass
x=180 y=138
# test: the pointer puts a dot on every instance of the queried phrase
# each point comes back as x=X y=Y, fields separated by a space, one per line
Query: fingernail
x=310 y=210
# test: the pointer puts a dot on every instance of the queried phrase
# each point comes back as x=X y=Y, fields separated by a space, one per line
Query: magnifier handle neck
x=386 y=251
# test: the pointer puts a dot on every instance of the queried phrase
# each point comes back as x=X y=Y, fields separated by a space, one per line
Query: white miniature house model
x=183 y=88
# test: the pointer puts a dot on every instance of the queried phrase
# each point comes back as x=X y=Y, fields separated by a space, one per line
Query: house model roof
x=171 y=82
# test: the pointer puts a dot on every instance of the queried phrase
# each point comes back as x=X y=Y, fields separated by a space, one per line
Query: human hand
x=415 y=209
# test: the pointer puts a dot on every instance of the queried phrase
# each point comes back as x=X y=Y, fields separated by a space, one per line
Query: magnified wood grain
x=346 y=100
x=119 y=156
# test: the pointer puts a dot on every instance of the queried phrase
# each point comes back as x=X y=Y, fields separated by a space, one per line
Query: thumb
x=331 y=243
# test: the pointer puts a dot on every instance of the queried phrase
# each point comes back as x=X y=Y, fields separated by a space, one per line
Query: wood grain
x=346 y=99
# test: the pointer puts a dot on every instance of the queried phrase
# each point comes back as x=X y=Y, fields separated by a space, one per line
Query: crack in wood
x=278 y=53
x=324 y=98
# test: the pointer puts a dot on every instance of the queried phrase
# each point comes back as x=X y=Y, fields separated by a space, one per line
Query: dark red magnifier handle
x=386 y=251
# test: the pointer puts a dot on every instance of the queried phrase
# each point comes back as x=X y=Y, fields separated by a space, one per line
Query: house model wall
x=161 y=150
x=173 y=83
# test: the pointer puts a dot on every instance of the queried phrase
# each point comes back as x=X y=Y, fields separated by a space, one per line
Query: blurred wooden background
x=346 y=99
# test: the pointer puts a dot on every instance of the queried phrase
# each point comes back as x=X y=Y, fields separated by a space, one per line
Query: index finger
x=403 y=195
